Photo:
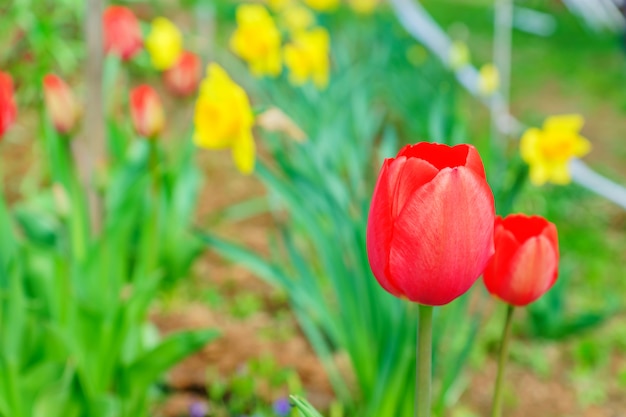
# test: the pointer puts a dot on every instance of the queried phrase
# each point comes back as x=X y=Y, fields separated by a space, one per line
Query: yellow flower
x=364 y=6
x=459 y=55
x=223 y=118
x=307 y=57
x=548 y=151
x=488 y=80
x=257 y=40
x=297 y=18
x=164 y=43
x=322 y=5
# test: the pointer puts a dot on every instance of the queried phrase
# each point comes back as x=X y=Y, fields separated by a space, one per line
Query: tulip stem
x=424 y=361
x=496 y=408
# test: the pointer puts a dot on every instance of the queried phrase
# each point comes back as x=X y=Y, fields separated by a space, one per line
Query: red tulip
x=60 y=103
x=147 y=111
x=8 y=110
x=430 y=225
x=122 y=34
x=183 y=78
x=525 y=264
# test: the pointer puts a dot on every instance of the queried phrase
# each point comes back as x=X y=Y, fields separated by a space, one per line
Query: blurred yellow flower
x=488 y=80
x=223 y=118
x=164 y=44
x=297 y=18
x=364 y=6
x=548 y=151
x=257 y=40
x=322 y=5
x=459 y=55
x=307 y=57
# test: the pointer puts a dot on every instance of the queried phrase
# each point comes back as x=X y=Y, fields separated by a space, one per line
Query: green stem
x=496 y=409
x=424 y=361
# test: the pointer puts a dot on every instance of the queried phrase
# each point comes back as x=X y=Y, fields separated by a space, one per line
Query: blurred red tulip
x=60 y=103
x=430 y=225
x=183 y=78
x=122 y=34
x=525 y=264
x=147 y=111
x=8 y=110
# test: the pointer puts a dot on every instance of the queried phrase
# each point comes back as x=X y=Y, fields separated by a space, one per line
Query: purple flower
x=282 y=407
x=197 y=409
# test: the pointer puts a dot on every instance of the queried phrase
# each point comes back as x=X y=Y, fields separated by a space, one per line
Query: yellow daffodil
x=548 y=151
x=297 y=18
x=307 y=57
x=459 y=55
x=322 y=5
x=488 y=80
x=364 y=7
x=257 y=40
x=164 y=43
x=223 y=118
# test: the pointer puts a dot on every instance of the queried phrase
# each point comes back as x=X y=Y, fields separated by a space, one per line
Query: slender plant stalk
x=496 y=409
x=90 y=149
x=424 y=361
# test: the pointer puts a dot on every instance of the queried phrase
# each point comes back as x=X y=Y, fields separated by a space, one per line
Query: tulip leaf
x=147 y=368
x=304 y=407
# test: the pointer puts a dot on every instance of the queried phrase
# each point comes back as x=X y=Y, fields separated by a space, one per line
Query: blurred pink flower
x=122 y=34
x=183 y=78
x=147 y=111
x=60 y=103
x=8 y=110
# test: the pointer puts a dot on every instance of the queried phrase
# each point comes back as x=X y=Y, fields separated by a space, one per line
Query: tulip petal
x=474 y=162
x=380 y=228
x=398 y=180
x=507 y=246
x=524 y=227
x=439 y=155
x=406 y=176
x=443 y=237
x=532 y=272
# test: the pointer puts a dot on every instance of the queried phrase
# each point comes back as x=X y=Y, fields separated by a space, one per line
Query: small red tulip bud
x=147 y=111
x=183 y=78
x=525 y=264
x=60 y=103
x=122 y=34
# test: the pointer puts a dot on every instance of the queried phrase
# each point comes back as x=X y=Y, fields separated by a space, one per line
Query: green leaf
x=149 y=367
x=235 y=253
x=305 y=408
x=8 y=244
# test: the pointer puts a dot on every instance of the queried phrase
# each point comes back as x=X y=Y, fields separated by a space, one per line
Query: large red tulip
x=525 y=264
x=430 y=225
x=122 y=34
x=60 y=103
x=183 y=78
x=8 y=110
x=147 y=111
